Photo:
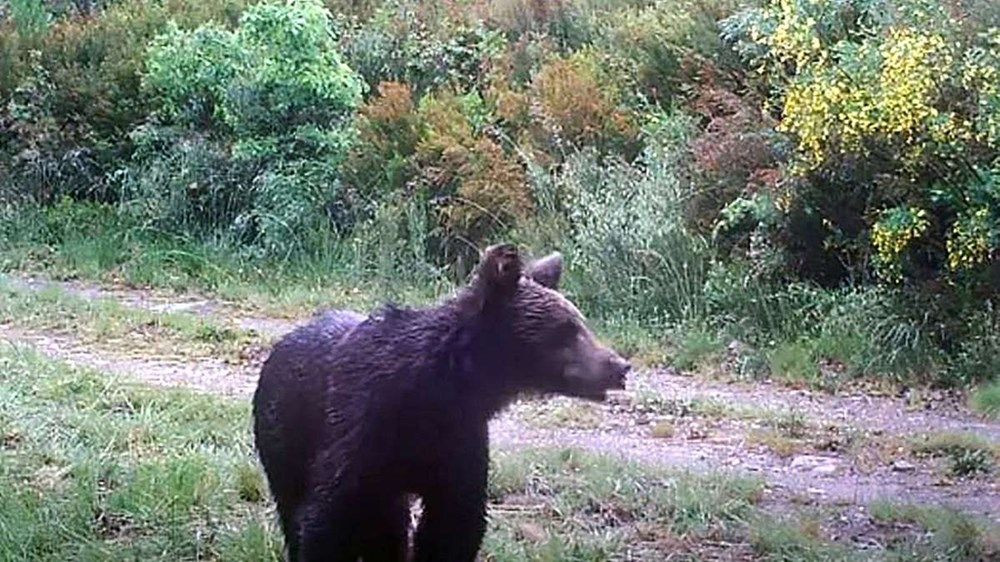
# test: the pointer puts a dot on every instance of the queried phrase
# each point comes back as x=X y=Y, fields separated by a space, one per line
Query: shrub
x=660 y=47
x=752 y=306
x=794 y=362
x=892 y=108
x=393 y=246
x=388 y=132
x=973 y=356
x=45 y=162
x=186 y=183
x=423 y=44
x=579 y=107
x=986 y=399
x=630 y=246
x=191 y=71
x=273 y=102
x=81 y=73
x=735 y=153
x=477 y=188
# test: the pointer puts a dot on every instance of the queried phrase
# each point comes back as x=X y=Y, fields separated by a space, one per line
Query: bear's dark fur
x=288 y=408
x=353 y=414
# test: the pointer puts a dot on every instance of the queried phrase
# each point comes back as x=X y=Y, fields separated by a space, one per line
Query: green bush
x=70 y=89
x=270 y=105
x=659 y=48
x=420 y=43
x=986 y=399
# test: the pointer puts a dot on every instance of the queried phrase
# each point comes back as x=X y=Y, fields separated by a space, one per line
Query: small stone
x=826 y=469
x=903 y=466
x=808 y=461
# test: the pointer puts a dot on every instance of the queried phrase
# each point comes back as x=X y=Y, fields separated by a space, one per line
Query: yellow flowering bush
x=969 y=243
x=892 y=110
x=892 y=236
x=882 y=94
x=981 y=74
x=796 y=37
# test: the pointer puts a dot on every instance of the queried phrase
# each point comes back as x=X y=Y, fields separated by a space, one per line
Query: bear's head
x=545 y=343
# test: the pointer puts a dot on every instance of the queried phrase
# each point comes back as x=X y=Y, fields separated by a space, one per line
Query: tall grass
x=99 y=242
x=631 y=251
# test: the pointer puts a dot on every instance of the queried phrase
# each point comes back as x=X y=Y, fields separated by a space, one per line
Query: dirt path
x=846 y=477
x=891 y=415
x=212 y=376
x=161 y=302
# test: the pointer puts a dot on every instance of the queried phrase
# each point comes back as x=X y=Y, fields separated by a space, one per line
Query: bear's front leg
x=454 y=518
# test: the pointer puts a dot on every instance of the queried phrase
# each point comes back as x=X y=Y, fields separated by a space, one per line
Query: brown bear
x=352 y=414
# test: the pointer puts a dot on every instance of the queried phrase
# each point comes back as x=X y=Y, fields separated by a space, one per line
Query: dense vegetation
x=817 y=179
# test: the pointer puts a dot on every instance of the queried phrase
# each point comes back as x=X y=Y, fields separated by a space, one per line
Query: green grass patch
x=95 y=243
x=794 y=362
x=91 y=469
x=648 y=400
x=695 y=347
x=636 y=340
x=777 y=442
x=584 y=506
x=795 y=539
x=948 y=534
x=968 y=453
x=108 y=323
x=560 y=413
x=986 y=399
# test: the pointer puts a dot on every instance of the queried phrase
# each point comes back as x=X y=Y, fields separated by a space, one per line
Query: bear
x=288 y=409
x=352 y=415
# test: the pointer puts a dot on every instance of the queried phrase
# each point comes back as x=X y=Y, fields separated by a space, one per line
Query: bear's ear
x=498 y=272
x=547 y=271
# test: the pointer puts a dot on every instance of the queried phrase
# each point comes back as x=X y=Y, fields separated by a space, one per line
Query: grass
x=95 y=470
x=780 y=444
x=649 y=400
x=946 y=534
x=559 y=413
x=986 y=399
x=968 y=453
x=94 y=243
x=694 y=348
x=794 y=363
x=108 y=323
x=792 y=330
x=907 y=533
x=786 y=432
x=795 y=539
x=584 y=506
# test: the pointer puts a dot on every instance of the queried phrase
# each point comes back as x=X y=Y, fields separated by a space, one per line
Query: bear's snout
x=619 y=369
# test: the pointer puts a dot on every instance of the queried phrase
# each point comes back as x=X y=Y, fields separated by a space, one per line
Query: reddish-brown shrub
x=577 y=107
x=734 y=154
x=479 y=187
x=388 y=132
